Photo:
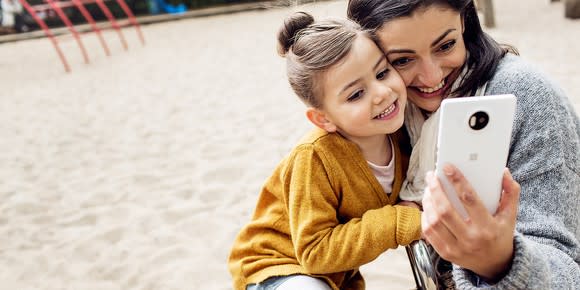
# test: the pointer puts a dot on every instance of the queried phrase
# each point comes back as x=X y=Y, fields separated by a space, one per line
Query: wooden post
x=488 y=13
x=572 y=9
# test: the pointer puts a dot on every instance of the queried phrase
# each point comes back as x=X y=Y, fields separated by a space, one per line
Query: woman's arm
x=543 y=246
x=544 y=159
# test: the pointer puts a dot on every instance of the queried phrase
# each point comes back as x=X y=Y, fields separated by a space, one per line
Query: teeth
x=430 y=90
x=387 y=111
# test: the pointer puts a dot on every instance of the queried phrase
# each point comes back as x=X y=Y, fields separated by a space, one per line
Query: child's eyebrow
x=380 y=61
x=377 y=64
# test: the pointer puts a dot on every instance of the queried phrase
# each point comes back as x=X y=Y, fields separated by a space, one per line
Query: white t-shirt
x=385 y=174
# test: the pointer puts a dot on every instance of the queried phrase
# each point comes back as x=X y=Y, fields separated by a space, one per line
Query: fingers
x=434 y=230
x=473 y=205
x=508 y=205
x=440 y=222
x=441 y=204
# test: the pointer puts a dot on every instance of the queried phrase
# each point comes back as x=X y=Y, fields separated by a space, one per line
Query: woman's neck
x=377 y=150
x=426 y=114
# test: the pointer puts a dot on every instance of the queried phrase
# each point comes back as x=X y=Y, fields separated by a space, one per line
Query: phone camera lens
x=478 y=120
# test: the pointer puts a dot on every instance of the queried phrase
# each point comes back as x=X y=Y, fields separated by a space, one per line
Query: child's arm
x=409 y=204
x=322 y=243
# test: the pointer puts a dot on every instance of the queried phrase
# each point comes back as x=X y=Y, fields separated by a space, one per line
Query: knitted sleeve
x=544 y=159
x=321 y=242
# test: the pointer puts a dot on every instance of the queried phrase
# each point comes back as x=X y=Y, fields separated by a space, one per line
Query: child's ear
x=318 y=118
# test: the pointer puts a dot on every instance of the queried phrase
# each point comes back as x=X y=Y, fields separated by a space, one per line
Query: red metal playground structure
x=58 y=5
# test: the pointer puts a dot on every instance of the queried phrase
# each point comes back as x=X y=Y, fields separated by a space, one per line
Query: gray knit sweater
x=544 y=157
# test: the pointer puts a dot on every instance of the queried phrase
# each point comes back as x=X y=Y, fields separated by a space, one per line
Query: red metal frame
x=94 y=26
x=132 y=19
x=113 y=22
x=71 y=28
x=57 y=5
x=48 y=33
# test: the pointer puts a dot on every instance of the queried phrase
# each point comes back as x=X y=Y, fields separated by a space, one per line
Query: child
x=329 y=207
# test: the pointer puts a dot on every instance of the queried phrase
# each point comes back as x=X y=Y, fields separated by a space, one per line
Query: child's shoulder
x=318 y=138
x=329 y=147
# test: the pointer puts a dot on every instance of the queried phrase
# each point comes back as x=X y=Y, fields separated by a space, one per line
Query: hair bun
x=292 y=25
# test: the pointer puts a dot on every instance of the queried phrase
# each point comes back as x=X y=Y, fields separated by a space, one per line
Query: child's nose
x=383 y=92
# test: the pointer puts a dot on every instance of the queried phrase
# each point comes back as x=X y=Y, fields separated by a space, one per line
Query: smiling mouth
x=387 y=112
x=433 y=89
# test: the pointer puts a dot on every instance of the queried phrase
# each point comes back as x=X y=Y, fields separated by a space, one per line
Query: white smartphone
x=474 y=135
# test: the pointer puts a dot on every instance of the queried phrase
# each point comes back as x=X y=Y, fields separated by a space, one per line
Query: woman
x=440 y=51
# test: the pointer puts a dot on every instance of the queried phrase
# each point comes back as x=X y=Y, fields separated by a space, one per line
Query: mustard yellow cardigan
x=323 y=213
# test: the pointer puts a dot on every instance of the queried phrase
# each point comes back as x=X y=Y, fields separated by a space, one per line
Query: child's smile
x=389 y=113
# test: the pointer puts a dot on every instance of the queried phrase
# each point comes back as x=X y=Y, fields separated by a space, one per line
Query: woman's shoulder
x=515 y=72
x=528 y=83
x=544 y=119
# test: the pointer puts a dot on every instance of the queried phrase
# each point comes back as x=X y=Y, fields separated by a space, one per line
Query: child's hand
x=410 y=204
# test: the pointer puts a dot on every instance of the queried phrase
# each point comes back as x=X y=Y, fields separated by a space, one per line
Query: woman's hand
x=482 y=243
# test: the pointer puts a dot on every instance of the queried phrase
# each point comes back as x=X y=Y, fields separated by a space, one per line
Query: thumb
x=508 y=205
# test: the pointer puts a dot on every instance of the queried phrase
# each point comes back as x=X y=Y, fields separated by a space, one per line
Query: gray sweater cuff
x=516 y=278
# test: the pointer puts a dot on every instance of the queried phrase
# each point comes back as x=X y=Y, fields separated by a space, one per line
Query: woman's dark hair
x=484 y=52
x=311 y=48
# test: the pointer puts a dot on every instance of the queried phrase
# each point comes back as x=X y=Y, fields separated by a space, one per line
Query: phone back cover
x=481 y=154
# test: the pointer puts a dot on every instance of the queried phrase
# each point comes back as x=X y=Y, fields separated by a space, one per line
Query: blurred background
x=137 y=169
x=24 y=22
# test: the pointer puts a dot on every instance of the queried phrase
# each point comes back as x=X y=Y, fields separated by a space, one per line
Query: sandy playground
x=137 y=170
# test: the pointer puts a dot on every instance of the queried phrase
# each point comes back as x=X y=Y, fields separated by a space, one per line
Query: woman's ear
x=319 y=119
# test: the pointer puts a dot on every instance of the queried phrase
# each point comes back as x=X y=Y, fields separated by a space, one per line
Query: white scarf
x=423 y=134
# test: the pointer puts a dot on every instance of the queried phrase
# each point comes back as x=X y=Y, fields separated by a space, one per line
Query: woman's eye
x=399 y=62
x=448 y=45
x=355 y=96
x=382 y=75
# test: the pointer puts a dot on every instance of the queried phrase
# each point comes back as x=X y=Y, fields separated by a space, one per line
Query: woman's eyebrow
x=442 y=36
x=399 y=51
x=434 y=43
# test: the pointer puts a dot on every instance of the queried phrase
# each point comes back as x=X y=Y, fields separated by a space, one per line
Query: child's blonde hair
x=311 y=48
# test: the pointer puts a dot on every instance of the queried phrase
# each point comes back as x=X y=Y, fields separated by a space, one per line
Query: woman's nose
x=431 y=73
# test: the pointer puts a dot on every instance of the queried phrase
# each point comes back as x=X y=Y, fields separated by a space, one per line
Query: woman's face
x=427 y=50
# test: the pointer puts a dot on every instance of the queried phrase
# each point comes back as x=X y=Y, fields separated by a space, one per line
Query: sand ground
x=137 y=170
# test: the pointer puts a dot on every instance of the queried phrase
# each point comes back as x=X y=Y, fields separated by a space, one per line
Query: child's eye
x=357 y=95
x=400 y=62
x=383 y=74
x=448 y=45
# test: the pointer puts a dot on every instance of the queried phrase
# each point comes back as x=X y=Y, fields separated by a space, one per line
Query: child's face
x=363 y=96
